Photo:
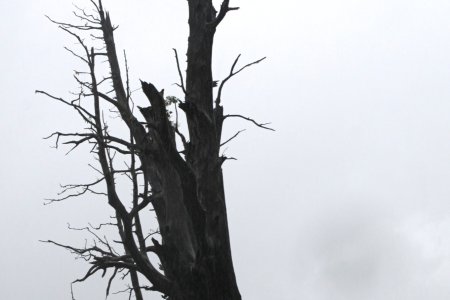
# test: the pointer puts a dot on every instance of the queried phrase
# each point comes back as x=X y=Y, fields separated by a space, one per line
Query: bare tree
x=178 y=176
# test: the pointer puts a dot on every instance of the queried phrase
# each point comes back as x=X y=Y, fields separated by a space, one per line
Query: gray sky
x=349 y=199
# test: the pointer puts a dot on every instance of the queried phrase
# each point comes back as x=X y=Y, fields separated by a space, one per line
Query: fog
x=347 y=199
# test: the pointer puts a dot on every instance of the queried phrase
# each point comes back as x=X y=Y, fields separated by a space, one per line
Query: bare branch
x=70 y=187
x=79 y=27
x=181 y=85
x=98 y=7
x=146 y=201
x=224 y=158
x=85 y=16
x=177 y=131
x=261 y=125
x=76 y=55
x=109 y=99
x=85 y=253
x=231 y=138
x=232 y=73
x=86 y=115
x=101 y=225
x=224 y=9
x=110 y=281
x=127 y=82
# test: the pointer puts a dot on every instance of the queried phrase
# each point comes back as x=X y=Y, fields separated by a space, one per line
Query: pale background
x=348 y=199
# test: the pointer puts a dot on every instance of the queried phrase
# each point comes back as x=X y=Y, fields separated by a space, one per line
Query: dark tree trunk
x=195 y=252
x=187 y=189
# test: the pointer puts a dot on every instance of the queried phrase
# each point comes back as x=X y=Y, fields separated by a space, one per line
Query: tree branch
x=261 y=125
x=231 y=138
x=224 y=9
x=181 y=85
x=86 y=115
x=232 y=73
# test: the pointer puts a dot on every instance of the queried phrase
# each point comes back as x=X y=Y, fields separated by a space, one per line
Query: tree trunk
x=195 y=252
x=187 y=192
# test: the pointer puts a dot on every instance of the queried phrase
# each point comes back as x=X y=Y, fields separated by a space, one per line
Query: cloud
x=360 y=254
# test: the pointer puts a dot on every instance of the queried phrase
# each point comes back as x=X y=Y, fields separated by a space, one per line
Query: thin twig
x=231 y=138
x=261 y=125
x=181 y=85
x=232 y=73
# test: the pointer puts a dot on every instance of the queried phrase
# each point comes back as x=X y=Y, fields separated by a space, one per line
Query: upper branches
x=224 y=9
x=181 y=84
x=261 y=125
x=233 y=73
x=183 y=192
x=105 y=145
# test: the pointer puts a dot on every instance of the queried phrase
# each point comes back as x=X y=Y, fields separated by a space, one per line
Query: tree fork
x=187 y=193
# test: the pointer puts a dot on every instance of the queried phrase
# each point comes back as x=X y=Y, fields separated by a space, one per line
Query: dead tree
x=178 y=175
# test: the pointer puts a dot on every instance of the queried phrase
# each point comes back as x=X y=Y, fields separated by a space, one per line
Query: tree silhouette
x=176 y=175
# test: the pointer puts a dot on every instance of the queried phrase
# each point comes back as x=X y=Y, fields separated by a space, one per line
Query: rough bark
x=187 y=188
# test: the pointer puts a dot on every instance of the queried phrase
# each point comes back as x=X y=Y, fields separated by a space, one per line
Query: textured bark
x=187 y=189
x=195 y=251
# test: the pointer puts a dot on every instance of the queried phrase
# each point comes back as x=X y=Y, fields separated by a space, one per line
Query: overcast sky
x=348 y=199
